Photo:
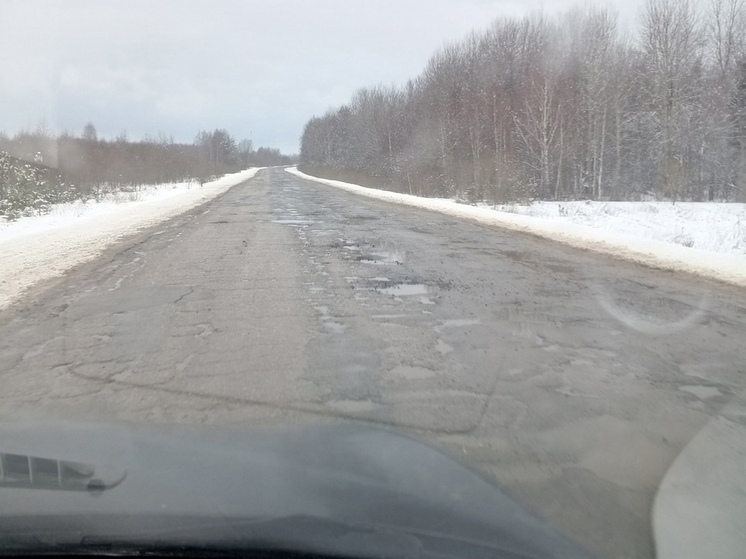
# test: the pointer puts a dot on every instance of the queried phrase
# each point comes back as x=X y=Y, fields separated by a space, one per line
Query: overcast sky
x=260 y=69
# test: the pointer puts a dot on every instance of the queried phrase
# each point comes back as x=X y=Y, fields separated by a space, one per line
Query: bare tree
x=89 y=132
x=670 y=40
x=564 y=107
x=725 y=29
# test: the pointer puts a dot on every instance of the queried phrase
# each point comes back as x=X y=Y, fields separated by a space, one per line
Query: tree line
x=558 y=108
x=39 y=168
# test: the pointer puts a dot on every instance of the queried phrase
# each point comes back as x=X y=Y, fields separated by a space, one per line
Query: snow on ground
x=707 y=239
x=33 y=249
x=712 y=227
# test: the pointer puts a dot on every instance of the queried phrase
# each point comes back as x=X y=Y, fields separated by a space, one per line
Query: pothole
x=404 y=289
x=388 y=257
x=293 y=221
x=334 y=327
x=357 y=219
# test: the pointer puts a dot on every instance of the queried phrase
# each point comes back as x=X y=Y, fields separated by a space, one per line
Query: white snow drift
x=37 y=248
x=708 y=239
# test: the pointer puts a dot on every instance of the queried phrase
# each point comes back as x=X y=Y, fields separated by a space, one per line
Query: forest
x=558 y=108
x=39 y=168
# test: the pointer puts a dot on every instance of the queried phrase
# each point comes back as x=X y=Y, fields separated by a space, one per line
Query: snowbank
x=653 y=234
x=37 y=248
x=712 y=227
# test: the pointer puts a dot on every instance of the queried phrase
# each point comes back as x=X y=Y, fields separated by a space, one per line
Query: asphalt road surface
x=572 y=379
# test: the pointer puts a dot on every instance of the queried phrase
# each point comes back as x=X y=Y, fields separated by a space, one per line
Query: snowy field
x=707 y=239
x=712 y=227
x=37 y=248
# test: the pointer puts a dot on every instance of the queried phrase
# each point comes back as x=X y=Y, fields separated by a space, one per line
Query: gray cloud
x=257 y=68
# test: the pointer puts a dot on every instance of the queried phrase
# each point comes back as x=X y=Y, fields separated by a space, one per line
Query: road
x=571 y=378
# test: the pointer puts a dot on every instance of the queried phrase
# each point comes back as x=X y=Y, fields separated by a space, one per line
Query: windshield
x=512 y=231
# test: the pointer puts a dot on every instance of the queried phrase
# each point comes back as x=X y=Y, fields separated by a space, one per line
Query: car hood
x=346 y=490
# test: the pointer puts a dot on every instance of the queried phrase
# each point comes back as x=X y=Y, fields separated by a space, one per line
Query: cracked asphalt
x=571 y=378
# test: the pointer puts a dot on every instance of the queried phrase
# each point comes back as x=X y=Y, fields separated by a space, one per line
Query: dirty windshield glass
x=405 y=271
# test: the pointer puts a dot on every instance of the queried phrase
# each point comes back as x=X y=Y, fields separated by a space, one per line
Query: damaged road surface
x=572 y=379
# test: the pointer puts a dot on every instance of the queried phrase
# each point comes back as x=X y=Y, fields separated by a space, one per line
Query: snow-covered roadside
x=37 y=248
x=618 y=233
x=709 y=226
